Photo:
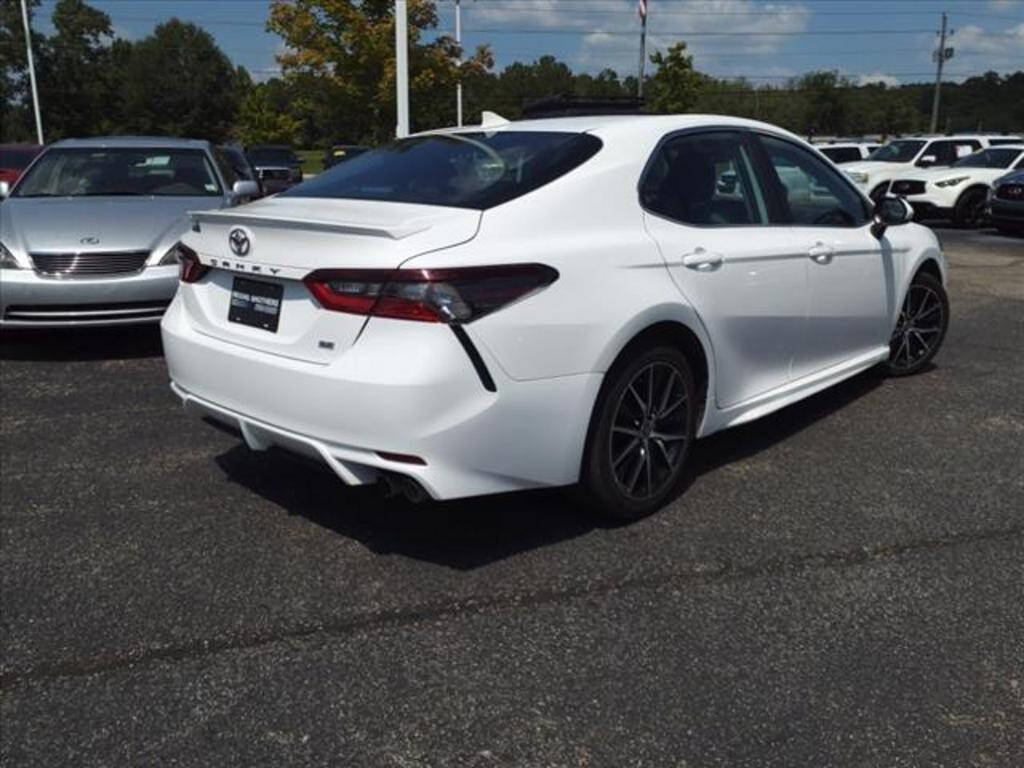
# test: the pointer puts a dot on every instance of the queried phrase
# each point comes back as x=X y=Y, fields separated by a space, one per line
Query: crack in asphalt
x=720 y=572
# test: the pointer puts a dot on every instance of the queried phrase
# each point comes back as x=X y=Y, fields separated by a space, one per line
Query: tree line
x=337 y=83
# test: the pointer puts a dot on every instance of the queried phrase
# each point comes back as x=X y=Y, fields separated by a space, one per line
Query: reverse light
x=952 y=182
x=458 y=295
x=7 y=260
x=191 y=269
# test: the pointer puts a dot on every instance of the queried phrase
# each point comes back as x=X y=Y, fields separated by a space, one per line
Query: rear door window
x=704 y=179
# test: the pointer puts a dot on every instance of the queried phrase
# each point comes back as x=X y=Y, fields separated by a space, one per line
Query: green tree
x=76 y=72
x=178 y=82
x=342 y=53
x=263 y=121
x=675 y=85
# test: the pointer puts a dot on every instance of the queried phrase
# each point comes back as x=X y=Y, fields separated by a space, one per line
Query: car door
x=847 y=267
x=708 y=214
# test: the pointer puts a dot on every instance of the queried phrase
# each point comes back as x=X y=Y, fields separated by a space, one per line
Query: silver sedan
x=87 y=233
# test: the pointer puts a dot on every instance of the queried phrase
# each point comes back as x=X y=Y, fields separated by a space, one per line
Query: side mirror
x=5 y=190
x=927 y=160
x=890 y=212
x=245 y=188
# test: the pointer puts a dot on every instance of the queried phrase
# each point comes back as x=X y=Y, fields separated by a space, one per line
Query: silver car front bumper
x=30 y=300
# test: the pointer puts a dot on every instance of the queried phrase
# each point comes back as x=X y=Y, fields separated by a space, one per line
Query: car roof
x=640 y=126
x=117 y=142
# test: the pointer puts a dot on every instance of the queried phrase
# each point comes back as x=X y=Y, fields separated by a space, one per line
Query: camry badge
x=239 y=242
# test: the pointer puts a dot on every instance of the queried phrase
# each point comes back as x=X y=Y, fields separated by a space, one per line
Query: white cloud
x=878 y=77
x=978 y=50
x=610 y=32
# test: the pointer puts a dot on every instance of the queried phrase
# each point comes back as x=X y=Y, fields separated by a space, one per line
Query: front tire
x=640 y=435
x=921 y=327
x=970 y=210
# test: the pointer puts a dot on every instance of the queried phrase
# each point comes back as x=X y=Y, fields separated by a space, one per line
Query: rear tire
x=969 y=212
x=640 y=435
x=921 y=327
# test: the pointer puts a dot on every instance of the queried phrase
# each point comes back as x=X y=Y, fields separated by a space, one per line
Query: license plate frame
x=255 y=303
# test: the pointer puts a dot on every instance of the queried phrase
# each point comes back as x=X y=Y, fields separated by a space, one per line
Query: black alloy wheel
x=971 y=210
x=643 y=426
x=921 y=327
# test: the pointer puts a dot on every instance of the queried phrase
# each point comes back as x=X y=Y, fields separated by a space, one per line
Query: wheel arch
x=976 y=187
x=680 y=326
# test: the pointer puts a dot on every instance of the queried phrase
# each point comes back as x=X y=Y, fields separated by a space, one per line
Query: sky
x=767 y=41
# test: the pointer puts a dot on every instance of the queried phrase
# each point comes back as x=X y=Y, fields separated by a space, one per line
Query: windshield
x=273 y=156
x=465 y=170
x=17 y=158
x=989 y=158
x=897 y=152
x=86 y=172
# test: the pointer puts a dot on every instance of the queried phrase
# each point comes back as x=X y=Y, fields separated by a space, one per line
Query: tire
x=921 y=328
x=640 y=435
x=969 y=212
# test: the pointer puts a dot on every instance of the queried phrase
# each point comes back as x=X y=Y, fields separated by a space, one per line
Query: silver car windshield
x=87 y=172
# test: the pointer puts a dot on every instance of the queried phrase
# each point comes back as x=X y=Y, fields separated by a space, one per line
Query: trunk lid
x=288 y=238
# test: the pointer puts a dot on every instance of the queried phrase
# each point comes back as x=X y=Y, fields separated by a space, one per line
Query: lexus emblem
x=239 y=242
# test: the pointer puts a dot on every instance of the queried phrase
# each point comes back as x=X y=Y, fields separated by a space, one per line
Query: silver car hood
x=84 y=224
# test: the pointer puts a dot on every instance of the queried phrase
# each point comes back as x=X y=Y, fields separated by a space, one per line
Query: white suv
x=959 y=192
x=895 y=159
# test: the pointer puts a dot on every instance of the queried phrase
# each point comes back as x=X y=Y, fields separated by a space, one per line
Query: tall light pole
x=32 y=71
x=641 y=9
x=940 y=56
x=458 y=83
x=401 y=67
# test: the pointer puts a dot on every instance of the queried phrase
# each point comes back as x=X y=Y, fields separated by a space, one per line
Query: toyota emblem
x=239 y=242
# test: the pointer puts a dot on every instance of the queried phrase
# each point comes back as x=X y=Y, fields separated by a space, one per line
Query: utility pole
x=458 y=42
x=939 y=57
x=641 y=8
x=401 y=66
x=32 y=71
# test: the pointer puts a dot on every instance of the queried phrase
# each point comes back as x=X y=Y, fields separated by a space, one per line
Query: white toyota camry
x=558 y=302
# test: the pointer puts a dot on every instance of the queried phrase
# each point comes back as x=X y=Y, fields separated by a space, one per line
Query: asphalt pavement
x=842 y=584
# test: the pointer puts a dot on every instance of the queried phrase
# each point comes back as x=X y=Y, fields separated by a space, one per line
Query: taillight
x=190 y=267
x=457 y=295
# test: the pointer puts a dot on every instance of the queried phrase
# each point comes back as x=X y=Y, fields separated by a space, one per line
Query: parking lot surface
x=841 y=584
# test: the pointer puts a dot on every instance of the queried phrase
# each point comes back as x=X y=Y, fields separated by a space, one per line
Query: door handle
x=821 y=252
x=701 y=259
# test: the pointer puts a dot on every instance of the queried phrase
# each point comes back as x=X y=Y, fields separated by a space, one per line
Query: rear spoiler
x=314 y=225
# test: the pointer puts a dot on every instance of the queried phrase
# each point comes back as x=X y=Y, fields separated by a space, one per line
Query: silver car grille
x=88 y=264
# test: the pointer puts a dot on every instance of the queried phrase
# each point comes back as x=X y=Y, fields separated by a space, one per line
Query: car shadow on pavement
x=81 y=344
x=470 y=533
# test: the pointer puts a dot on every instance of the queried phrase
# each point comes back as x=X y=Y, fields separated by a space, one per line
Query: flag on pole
x=641 y=8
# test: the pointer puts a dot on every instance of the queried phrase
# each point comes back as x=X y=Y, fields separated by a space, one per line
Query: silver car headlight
x=171 y=257
x=952 y=182
x=859 y=177
x=7 y=260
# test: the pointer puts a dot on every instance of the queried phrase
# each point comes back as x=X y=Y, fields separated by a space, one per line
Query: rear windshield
x=272 y=156
x=84 y=172
x=897 y=152
x=989 y=158
x=465 y=170
x=16 y=158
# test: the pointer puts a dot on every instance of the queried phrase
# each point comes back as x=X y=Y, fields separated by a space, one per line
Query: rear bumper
x=28 y=300
x=402 y=388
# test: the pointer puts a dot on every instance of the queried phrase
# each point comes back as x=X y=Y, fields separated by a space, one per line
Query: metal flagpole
x=458 y=42
x=940 y=56
x=641 y=8
x=401 y=67
x=32 y=72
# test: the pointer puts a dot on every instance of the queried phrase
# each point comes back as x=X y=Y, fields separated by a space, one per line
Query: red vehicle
x=15 y=158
